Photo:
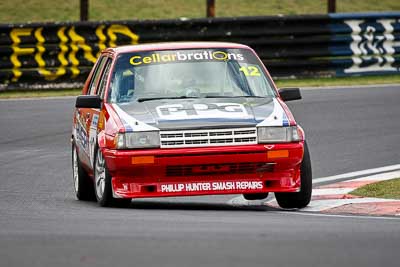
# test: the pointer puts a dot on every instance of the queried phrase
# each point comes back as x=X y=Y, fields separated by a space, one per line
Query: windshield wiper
x=236 y=96
x=160 y=98
x=191 y=97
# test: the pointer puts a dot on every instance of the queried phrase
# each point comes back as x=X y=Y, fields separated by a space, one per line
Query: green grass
x=339 y=81
x=60 y=10
x=344 y=81
x=39 y=93
x=385 y=189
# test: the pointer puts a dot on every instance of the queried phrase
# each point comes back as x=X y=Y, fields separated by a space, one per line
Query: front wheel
x=300 y=199
x=102 y=184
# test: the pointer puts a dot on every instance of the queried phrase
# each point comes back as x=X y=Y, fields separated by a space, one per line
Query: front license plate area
x=216 y=186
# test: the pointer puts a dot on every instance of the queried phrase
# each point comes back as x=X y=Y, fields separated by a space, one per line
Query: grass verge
x=310 y=82
x=338 y=81
x=39 y=93
x=385 y=189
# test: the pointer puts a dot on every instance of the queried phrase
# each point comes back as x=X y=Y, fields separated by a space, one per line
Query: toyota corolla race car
x=186 y=119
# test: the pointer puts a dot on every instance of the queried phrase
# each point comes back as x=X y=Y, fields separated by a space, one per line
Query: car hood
x=198 y=113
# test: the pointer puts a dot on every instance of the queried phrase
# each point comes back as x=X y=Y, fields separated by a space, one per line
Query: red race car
x=187 y=119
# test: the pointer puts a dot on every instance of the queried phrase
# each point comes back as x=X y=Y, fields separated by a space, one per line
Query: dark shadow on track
x=141 y=204
x=149 y=204
x=196 y=206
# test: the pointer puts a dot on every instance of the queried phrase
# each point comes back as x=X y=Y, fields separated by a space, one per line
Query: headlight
x=137 y=140
x=278 y=134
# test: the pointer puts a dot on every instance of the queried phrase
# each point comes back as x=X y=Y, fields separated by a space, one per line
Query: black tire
x=104 y=195
x=300 y=199
x=83 y=185
x=256 y=196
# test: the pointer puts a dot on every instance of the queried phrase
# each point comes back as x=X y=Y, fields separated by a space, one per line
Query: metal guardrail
x=62 y=54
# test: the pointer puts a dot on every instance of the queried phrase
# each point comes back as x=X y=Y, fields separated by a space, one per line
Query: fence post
x=331 y=6
x=84 y=10
x=210 y=8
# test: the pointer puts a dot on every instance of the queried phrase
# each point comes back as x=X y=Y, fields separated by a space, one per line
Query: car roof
x=173 y=46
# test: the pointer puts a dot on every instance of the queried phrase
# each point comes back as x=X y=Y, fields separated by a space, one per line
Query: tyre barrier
x=36 y=55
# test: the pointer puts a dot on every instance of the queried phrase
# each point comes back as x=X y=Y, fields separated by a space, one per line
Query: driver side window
x=96 y=76
x=103 y=79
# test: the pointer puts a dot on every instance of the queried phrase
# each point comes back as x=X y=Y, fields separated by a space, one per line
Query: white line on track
x=331 y=191
x=349 y=175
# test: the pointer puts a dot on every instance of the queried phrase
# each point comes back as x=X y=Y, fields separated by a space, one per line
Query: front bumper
x=205 y=170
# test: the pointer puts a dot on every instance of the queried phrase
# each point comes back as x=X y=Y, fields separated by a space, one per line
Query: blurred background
x=60 y=10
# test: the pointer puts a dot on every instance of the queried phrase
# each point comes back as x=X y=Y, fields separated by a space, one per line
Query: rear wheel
x=103 y=186
x=82 y=184
x=300 y=199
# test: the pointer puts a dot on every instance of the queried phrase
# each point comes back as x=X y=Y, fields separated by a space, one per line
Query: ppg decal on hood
x=201 y=111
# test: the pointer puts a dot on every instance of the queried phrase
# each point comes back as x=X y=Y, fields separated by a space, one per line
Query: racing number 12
x=250 y=71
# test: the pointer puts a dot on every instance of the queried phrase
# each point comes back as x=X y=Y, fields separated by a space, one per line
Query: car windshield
x=170 y=74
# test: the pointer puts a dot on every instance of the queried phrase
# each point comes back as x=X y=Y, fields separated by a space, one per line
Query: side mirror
x=289 y=94
x=88 y=101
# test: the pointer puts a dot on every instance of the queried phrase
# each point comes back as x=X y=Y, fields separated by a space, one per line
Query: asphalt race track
x=41 y=223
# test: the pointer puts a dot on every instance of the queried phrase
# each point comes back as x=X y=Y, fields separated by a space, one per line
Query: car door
x=95 y=114
x=88 y=118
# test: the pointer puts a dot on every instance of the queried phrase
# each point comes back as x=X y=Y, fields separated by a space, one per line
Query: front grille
x=208 y=137
x=195 y=142
x=218 y=169
x=220 y=133
x=195 y=134
x=172 y=135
